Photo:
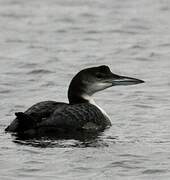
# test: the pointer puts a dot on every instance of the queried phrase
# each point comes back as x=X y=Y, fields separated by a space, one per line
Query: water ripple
x=154 y=171
x=40 y=71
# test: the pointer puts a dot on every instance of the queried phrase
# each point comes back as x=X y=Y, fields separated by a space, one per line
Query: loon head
x=91 y=80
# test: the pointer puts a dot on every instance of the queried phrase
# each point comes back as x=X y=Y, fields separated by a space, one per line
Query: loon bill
x=80 y=114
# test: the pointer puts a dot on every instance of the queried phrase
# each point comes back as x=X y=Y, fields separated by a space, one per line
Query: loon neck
x=77 y=99
x=76 y=92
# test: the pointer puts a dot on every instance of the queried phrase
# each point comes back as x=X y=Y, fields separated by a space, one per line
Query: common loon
x=80 y=114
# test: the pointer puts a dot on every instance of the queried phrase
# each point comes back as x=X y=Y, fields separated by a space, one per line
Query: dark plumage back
x=76 y=117
x=35 y=114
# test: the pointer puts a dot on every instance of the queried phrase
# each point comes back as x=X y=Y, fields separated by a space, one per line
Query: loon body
x=80 y=114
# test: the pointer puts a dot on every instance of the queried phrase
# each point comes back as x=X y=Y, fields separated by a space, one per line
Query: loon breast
x=91 y=101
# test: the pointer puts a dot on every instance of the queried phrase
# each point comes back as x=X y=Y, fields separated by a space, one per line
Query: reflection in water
x=80 y=140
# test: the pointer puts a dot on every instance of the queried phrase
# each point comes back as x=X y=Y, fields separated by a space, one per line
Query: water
x=44 y=43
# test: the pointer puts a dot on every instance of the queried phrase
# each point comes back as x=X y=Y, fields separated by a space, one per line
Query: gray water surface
x=44 y=43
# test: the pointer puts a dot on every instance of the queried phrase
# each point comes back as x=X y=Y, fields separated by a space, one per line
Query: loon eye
x=99 y=75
